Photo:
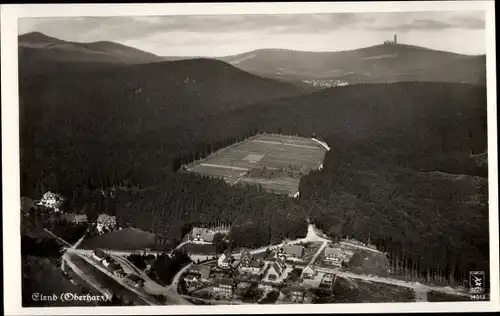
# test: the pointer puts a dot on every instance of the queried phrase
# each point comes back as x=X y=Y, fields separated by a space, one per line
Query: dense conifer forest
x=399 y=172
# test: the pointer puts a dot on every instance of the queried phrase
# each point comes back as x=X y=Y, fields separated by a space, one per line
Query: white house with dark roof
x=52 y=201
x=202 y=235
x=105 y=221
x=225 y=260
x=309 y=272
x=336 y=255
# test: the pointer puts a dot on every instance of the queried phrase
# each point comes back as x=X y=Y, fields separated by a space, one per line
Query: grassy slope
x=125 y=239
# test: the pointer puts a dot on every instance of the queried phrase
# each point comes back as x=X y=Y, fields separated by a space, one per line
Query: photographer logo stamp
x=477 y=286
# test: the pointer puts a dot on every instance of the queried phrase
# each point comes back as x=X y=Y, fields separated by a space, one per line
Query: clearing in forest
x=276 y=162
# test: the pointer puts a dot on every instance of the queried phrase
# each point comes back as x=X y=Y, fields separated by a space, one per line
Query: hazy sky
x=221 y=35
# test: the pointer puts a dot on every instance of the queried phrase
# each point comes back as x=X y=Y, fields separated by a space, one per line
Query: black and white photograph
x=257 y=160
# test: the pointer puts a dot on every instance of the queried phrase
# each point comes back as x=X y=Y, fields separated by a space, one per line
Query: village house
x=106 y=261
x=99 y=255
x=75 y=218
x=276 y=270
x=224 y=288
x=336 y=256
x=327 y=279
x=253 y=267
x=248 y=263
x=114 y=266
x=309 y=272
x=225 y=260
x=134 y=280
x=119 y=273
x=103 y=258
x=52 y=201
x=105 y=221
x=235 y=264
x=202 y=235
x=297 y=295
x=245 y=258
x=291 y=252
x=197 y=273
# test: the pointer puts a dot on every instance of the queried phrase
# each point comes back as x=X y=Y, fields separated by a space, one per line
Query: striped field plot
x=288 y=157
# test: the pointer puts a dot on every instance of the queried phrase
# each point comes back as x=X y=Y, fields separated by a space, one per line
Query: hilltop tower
x=395 y=39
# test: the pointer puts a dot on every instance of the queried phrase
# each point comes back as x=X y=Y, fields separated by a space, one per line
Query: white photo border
x=10 y=148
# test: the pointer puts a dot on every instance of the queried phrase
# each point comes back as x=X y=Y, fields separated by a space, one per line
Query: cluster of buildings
x=201 y=235
x=393 y=42
x=278 y=267
x=274 y=268
x=267 y=270
x=116 y=269
x=54 y=201
x=325 y=83
x=104 y=224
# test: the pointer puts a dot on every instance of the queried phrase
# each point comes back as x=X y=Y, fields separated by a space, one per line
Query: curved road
x=120 y=281
x=151 y=286
x=312 y=236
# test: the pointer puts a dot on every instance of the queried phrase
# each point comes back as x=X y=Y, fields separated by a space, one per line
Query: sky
x=223 y=35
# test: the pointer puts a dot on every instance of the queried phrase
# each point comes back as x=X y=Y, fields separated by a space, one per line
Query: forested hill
x=128 y=100
x=419 y=124
x=379 y=63
x=68 y=115
x=127 y=115
x=36 y=47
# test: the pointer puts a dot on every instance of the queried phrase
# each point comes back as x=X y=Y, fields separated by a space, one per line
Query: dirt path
x=107 y=273
x=417 y=287
x=85 y=277
x=359 y=247
x=170 y=292
x=316 y=255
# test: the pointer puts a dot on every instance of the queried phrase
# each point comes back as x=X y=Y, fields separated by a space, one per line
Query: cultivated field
x=276 y=162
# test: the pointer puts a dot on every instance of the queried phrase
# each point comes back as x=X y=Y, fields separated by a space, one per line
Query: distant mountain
x=380 y=63
x=36 y=46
